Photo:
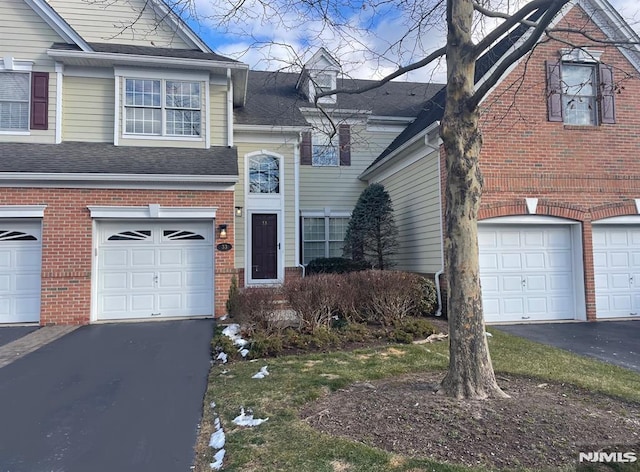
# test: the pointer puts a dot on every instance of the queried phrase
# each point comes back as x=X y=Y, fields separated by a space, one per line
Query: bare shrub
x=315 y=300
x=257 y=307
x=386 y=297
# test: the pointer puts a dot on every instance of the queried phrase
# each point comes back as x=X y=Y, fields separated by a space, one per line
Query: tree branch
x=401 y=71
x=553 y=9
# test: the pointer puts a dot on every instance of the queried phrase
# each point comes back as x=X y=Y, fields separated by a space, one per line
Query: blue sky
x=372 y=42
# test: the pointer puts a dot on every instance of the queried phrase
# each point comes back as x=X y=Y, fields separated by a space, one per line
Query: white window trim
x=121 y=73
x=18 y=67
x=326 y=214
x=22 y=211
x=153 y=210
x=586 y=55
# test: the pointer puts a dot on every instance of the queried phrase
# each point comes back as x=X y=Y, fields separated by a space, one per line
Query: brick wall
x=67 y=241
x=582 y=173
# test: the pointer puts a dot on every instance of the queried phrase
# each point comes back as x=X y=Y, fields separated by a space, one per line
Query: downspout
x=441 y=271
x=296 y=203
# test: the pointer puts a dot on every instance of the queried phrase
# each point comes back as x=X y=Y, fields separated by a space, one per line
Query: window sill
x=581 y=127
x=15 y=133
x=154 y=137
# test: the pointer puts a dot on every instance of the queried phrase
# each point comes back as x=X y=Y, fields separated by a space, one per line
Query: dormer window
x=320 y=74
x=323 y=82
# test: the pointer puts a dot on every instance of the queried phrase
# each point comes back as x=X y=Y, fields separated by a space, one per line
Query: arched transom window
x=264 y=174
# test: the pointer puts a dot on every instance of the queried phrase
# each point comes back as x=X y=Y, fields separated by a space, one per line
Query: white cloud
x=276 y=35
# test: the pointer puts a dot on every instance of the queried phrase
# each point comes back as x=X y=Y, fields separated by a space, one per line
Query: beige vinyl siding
x=123 y=22
x=287 y=182
x=414 y=192
x=26 y=37
x=218 y=115
x=338 y=188
x=88 y=107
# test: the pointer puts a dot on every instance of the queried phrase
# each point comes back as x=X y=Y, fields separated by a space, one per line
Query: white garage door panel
x=616 y=259
x=155 y=270
x=20 y=271
x=526 y=272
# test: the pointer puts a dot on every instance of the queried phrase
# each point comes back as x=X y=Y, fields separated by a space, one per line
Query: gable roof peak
x=322 y=61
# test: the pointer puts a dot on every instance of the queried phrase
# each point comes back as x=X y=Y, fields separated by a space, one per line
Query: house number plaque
x=224 y=247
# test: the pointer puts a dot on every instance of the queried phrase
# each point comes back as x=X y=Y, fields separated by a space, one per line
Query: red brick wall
x=576 y=172
x=67 y=241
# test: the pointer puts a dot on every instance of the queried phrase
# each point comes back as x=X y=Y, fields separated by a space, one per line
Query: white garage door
x=616 y=260
x=155 y=270
x=526 y=272
x=20 y=272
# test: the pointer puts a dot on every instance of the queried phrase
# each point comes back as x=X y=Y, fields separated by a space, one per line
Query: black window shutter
x=554 y=91
x=607 y=102
x=305 y=149
x=39 y=100
x=344 y=132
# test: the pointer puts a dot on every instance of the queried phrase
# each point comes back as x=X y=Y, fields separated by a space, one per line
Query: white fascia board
x=315 y=111
x=153 y=211
x=269 y=129
x=379 y=119
x=137 y=60
x=57 y=23
x=615 y=27
x=133 y=181
x=22 y=211
x=182 y=28
x=415 y=138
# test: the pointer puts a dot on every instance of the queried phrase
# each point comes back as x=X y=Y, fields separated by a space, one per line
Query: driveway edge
x=31 y=342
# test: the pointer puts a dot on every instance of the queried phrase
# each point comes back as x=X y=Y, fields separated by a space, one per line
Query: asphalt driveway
x=121 y=397
x=615 y=342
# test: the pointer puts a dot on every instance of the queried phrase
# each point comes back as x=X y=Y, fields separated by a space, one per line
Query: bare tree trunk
x=470 y=372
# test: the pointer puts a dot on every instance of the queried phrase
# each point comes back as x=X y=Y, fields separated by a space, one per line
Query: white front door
x=526 y=272
x=616 y=261
x=155 y=269
x=20 y=271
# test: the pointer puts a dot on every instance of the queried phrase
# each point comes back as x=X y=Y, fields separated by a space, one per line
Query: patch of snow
x=212 y=404
x=219 y=457
x=232 y=331
x=262 y=374
x=247 y=420
x=244 y=352
x=222 y=356
x=223 y=317
x=217 y=439
x=487 y=334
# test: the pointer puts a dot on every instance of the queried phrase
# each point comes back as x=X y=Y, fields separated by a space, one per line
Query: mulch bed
x=542 y=425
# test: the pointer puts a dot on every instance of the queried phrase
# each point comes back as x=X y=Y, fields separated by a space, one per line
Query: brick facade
x=67 y=241
x=580 y=173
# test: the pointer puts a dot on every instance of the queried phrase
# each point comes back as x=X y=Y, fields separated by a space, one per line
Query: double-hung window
x=163 y=107
x=580 y=89
x=323 y=237
x=326 y=149
x=24 y=101
x=14 y=101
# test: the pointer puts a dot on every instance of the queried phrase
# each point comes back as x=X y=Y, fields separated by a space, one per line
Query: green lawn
x=285 y=443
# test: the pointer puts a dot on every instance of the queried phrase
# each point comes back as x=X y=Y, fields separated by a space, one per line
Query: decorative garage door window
x=135 y=235
x=181 y=235
x=8 y=235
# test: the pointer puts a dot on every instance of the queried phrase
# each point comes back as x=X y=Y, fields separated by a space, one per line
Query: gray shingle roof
x=272 y=99
x=146 y=51
x=103 y=158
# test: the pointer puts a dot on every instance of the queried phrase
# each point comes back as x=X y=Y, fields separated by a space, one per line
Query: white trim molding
x=22 y=211
x=153 y=210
